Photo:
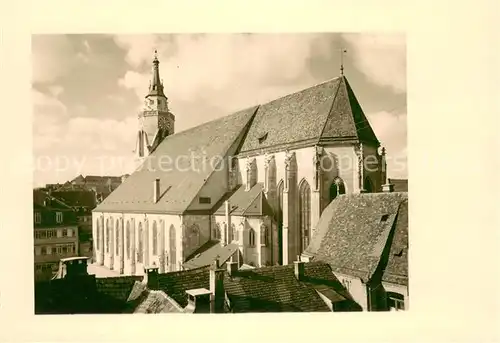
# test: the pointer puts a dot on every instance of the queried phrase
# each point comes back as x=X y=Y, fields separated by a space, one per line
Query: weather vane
x=342 y=52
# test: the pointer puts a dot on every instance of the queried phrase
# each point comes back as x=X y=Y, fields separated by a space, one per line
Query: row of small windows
x=38 y=217
x=46 y=267
x=48 y=234
x=60 y=249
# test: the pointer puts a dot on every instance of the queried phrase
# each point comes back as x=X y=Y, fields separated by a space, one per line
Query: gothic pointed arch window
x=129 y=245
x=140 y=243
x=279 y=219
x=195 y=236
x=224 y=232
x=98 y=234
x=117 y=237
x=217 y=231
x=172 y=247
x=368 y=185
x=304 y=214
x=108 y=234
x=234 y=232
x=251 y=237
x=155 y=238
x=263 y=235
x=337 y=188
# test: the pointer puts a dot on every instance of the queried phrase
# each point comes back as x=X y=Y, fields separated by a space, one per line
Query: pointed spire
x=156 y=86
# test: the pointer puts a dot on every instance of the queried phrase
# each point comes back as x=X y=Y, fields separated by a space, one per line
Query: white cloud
x=391 y=129
x=50 y=57
x=227 y=71
x=382 y=58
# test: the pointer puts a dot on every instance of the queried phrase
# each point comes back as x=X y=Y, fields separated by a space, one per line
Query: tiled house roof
x=175 y=284
x=276 y=289
x=179 y=184
x=355 y=247
x=86 y=295
x=207 y=253
x=322 y=113
x=77 y=198
x=396 y=270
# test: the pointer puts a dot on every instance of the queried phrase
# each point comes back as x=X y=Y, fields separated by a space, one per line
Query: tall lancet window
x=263 y=235
x=251 y=237
x=129 y=246
x=117 y=237
x=155 y=239
x=108 y=234
x=279 y=219
x=140 y=245
x=367 y=185
x=304 y=214
x=337 y=188
x=172 y=247
x=98 y=233
x=234 y=232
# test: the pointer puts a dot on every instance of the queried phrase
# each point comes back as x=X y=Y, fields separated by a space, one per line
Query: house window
x=395 y=301
x=251 y=237
x=70 y=233
x=38 y=217
x=59 y=217
x=43 y=250
x=65 y=233
x=205 y=200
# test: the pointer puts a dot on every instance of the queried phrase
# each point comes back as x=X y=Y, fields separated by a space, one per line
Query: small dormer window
x=59 y=217
x=205 y=200
x=384 y=218
x=262 y=138
x=38 y=217
x=151 y=101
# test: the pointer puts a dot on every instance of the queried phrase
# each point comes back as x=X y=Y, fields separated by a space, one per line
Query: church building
x=255 y=182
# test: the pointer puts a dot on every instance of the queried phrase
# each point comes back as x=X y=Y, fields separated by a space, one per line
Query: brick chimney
x=151 y=277
x=73 y=267
x=299 y=269
x=198 y=300
x=156 y=190
x=218 y=295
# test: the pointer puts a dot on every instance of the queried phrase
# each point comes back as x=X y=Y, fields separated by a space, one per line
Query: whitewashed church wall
x=344 y=166
x=112 y=259
x=372 y=167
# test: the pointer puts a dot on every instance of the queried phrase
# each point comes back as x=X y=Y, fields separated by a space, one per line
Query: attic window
x=262 y=138
x=384 y=218
x=205 y=200
x=399 y=253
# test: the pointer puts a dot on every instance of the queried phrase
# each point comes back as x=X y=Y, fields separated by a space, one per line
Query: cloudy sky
x=88 y=89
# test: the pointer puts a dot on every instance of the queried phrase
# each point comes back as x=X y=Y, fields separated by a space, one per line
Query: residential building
x=55 y=230
x=364 y=239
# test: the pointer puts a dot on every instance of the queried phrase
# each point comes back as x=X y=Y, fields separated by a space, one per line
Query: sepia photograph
x=220 y=173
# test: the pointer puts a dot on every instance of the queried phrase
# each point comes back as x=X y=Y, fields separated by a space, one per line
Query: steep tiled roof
x=179 y=184
x=242 y=202
x=354 y=230
x=158 y=302
x=175 y=284
x=267 y=289
x=40 y=201
x=396 y=270
x=276 y=289
x=322 y=113
x=207 y=253
x=118 y=288
x=78 y=198
x=400 y=185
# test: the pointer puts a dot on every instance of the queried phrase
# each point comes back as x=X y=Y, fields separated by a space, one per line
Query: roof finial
x=342 y=51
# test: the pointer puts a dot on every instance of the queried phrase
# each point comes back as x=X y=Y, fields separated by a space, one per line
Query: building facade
x=55 y=233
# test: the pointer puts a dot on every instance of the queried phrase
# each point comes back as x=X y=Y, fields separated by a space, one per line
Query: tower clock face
x=163 y=123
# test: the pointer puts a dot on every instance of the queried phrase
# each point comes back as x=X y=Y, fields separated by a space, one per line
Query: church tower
x=155 y=120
